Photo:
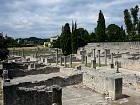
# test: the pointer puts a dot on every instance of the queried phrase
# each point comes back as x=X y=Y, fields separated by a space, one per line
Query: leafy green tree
x=3 y=48
x=66 y=40
x=100 y=29
x=123 y=36
x=115 y=33
x=92 y=37
x=83 y=37
x=56 y=43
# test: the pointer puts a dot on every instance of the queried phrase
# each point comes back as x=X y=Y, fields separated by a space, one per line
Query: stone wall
x=39 y=95
x=41 y=70
x=108 y=85
x=10 y=90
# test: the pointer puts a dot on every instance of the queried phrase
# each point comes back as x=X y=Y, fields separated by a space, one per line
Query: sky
x=44 y=18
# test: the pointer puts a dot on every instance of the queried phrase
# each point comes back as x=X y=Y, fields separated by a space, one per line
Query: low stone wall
x=39 y=95
x=42 y=70
x=10 y=90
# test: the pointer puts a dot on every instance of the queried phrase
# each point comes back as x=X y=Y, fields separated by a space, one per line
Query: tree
x=3 y=48
x=74 y=38
x=138 y=28
x=115 y=33
x=83 y=37
x=66 y=40
x=92 y=37
x=100 y=29
x=134 y=13
x=128 y=24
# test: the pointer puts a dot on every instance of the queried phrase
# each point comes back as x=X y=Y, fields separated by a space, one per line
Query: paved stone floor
x=77 y=95
x=74 y=95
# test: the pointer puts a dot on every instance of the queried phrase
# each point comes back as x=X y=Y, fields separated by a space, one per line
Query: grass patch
x=73 y=65
x=101 y=65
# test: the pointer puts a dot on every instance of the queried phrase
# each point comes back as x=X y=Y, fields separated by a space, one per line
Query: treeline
x=72 y=38
x=24 y=42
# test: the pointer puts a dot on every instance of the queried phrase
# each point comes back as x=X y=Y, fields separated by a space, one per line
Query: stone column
x=93 y=63
x=70 y=60
x=99 y=62
x=1 y=66
x=82 y=59
x=85 y=60
x=22 y=52
x=112 y=63
x=117 y=63
x=105 y=56
x=18 y=52
x=61 y=60
x=94 y=54
x=46 y=61
x=65 y=62
x=5 y=74
x=56 y=56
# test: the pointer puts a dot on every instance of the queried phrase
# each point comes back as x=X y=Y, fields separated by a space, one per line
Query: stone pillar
x=61 y=60
x=56 y=56
x=94 y=54
x=5 y=74
x=85 y=60
x=46 y=61
x=56 y=95
x=70 y=60
x=93 y=63
x=1 y=66
x=99 y=62
x=117 y=63
x=18 y=52
x=105 y=56
x=82 y=59
x=112 y=63
x=22 y=52
x=65 y=62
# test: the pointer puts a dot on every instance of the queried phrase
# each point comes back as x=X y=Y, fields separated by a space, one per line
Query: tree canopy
x=3 y=48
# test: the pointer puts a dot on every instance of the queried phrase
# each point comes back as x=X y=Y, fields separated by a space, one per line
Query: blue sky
x=44 y=18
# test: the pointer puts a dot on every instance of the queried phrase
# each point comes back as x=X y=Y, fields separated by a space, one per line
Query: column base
x=112 y=66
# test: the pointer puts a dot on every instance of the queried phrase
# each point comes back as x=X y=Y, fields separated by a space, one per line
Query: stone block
x=114 y=86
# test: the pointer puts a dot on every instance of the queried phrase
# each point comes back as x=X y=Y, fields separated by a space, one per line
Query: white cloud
x=47 y=16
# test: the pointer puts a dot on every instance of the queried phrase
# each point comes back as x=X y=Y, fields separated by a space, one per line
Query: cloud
x=44 y=18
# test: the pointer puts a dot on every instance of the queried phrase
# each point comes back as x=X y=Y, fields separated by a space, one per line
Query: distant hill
x=32 y=40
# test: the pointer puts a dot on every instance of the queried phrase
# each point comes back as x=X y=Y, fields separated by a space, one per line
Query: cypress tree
x=66 y=40
x=134 y=13
x=100 y=29
x=74 y=38
x=138 y=28
x=128 y=23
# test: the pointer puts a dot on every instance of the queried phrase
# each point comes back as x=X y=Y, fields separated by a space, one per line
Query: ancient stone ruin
x=40 y=79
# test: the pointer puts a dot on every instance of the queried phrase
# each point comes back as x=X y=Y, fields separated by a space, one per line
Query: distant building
x=53 y=38
x=47 y=44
